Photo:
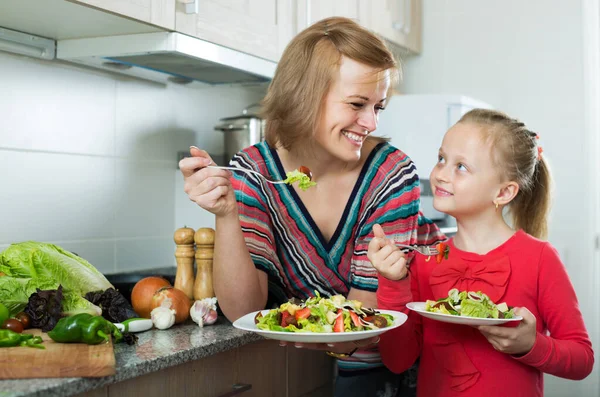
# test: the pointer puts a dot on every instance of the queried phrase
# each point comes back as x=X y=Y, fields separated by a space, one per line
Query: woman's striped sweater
x=284 y=241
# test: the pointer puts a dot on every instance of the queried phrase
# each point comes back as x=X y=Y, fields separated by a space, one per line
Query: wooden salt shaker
x=184 y=255
x=205 y=243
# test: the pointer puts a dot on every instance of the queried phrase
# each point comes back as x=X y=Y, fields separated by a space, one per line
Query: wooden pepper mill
x=205 y=243
x=184 y=255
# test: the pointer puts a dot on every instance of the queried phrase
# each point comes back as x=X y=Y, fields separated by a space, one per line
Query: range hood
x=167 y=57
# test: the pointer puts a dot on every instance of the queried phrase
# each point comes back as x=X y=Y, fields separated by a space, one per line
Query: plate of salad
x=321 y=320
x=465 y=307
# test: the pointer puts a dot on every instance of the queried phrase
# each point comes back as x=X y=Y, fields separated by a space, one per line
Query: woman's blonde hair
x=515 y=150
x=306 y=70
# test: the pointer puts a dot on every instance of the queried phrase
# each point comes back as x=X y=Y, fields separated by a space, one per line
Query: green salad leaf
x=304 y=181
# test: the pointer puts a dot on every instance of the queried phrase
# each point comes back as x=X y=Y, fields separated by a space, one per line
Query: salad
x=443 y=250
x=317 y=314
x=302 y=175
x=470 y=304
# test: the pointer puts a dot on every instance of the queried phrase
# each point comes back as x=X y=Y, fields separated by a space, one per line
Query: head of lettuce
x=28 y=266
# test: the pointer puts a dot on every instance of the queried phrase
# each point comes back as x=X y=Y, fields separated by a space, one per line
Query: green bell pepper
x=10 y=338
x=84 y=328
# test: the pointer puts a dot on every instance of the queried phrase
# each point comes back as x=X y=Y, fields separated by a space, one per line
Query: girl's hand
x=513 y=340
x=389 y=261
x=210 y=188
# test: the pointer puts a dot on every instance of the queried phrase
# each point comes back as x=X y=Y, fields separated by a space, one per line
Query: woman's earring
x=495 y=202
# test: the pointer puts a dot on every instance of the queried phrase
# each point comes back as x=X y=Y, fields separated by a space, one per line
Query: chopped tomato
x=441 y=248
x=287 y=319
x=338 y=325
x=302 y=313
x=355 y=319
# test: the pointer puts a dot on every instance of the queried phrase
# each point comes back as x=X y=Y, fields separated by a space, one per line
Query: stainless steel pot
x=241 y=131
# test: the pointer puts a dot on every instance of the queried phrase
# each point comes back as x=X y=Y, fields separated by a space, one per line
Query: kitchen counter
x=154 y=351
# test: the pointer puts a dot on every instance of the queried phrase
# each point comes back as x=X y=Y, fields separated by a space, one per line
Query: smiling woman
x=276 y=242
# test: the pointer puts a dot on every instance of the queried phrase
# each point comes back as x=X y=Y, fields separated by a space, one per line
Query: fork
x=266 y=178
x=421 y=249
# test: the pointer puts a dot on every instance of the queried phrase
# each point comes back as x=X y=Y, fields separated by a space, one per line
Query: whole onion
x=179 y=302
x=143 y=292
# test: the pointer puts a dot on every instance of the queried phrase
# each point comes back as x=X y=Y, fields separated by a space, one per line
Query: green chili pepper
x=36 y=342
x=84 y=328
x=10 y=338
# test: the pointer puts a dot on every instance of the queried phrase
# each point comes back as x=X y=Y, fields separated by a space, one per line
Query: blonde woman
x=275 y=242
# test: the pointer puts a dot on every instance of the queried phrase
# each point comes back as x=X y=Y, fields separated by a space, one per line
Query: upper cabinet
x=261 y=28
x=311 y=11
x=155 y=12
x=398 y=21
x=258 y=27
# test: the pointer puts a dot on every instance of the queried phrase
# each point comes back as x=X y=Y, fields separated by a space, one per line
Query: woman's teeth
x=353 y=136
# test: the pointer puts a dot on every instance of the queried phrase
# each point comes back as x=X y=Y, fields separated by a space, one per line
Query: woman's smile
x=354 y=138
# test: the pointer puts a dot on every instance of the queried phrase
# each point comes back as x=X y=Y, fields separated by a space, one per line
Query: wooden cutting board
x=58 y=360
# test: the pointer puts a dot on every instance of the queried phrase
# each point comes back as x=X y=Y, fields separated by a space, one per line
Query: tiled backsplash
x=88 y=160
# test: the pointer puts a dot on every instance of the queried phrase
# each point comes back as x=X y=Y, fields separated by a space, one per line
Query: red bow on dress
x=490 y=277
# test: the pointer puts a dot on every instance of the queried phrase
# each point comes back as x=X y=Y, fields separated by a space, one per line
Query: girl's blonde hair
x=306 y=70
x=515 y=150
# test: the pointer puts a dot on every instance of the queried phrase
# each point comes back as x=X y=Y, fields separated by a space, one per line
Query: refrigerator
x=416 y=125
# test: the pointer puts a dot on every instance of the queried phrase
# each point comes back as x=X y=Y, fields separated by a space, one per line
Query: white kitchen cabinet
x=258 y=27
x=398 y=21
x=155 y=12
x=311 y=11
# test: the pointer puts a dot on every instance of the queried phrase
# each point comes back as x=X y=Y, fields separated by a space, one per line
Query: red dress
x=457 y=360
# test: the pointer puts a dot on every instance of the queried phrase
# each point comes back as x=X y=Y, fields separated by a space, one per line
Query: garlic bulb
x=163 y=317
x=204 y=311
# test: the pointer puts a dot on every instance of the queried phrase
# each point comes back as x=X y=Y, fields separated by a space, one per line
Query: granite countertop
x=155 y=350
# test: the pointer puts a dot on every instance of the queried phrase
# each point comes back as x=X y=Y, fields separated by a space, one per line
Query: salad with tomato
x=318 y=314
x=470 y=304
x=443 y=250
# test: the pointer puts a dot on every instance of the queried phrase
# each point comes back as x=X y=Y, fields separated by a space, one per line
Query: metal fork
x=266 y=178
x=421 y=249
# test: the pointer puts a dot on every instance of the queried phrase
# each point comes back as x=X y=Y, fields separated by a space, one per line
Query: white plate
x=246 y=323
x=419 y=307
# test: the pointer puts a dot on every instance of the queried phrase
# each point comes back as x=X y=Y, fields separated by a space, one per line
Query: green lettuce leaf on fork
x=304 y=181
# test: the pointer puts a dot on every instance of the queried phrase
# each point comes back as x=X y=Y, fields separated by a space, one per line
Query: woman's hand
x=513 y=340
x=341 y=348
x=210 y=188
x=389 y=261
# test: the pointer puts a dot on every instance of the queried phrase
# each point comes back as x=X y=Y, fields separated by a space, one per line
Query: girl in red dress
x=487 y=161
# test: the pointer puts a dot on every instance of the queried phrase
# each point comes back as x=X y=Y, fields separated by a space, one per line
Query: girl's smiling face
x=465 y=181
x=351 y=109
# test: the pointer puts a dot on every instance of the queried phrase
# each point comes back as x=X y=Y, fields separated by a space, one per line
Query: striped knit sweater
x=284 y=241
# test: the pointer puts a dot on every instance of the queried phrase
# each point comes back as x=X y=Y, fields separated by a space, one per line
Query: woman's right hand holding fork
x=386 y=257
x=210 y=188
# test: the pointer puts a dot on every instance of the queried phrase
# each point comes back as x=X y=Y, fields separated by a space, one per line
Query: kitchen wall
x=528 y=59
x=88 y=160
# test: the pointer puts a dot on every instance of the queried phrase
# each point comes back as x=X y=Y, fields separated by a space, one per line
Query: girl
x=487 y=162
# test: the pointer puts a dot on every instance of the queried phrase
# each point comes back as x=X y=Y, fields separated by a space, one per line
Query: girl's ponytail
x=530 y=209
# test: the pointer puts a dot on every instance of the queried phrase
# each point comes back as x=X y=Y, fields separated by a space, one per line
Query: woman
x=277 y=241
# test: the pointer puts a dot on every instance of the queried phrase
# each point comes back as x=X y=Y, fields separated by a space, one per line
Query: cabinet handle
x=237 y=389
x=404 y=22
x=191 y=6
